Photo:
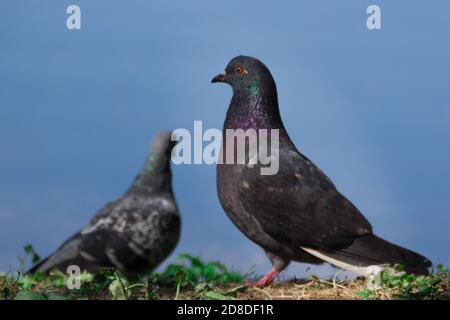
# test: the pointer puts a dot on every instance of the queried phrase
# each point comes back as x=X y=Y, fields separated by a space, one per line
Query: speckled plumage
x=296 y=214
x=135 y=232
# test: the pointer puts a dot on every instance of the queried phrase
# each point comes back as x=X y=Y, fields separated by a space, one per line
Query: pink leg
x=268 y=278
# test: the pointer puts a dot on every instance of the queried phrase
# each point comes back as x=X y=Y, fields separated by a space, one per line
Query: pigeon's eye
x=239 y=70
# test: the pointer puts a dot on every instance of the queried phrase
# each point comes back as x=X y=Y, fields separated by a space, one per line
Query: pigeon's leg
x=268 y=278
x=278 y=265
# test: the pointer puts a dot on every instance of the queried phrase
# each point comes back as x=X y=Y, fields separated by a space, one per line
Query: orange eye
x=239 y=70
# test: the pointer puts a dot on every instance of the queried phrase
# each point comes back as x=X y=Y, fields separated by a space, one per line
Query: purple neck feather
x=256 y=111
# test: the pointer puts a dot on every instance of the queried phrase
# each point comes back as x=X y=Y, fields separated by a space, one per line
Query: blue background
x=78 y=110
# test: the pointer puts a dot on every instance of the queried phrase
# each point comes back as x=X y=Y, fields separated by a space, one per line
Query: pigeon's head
x=162 y=143
x=247 y=75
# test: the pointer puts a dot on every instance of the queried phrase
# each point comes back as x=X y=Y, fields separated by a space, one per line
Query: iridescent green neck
x=154 y=176
x=151 y=163
x=254 y=88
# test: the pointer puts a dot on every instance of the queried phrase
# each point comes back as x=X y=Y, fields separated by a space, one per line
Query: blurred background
x=79 y=108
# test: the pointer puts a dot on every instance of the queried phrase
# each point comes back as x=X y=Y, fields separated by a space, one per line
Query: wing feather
x=300 y=206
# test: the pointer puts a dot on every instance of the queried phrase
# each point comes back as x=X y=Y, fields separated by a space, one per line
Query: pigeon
x=296 y=214
x=132 y=234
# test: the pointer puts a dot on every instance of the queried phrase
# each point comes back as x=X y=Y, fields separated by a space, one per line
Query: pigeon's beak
x=221 y=77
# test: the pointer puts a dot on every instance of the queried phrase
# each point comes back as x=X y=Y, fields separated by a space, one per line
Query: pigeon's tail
x=371 y=250
x=50 y=263
x=37 y=266
x=66 y=252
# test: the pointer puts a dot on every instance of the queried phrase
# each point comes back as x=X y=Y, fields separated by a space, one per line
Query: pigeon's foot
x=268 y=278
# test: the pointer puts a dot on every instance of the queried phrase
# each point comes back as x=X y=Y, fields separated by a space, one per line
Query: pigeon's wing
x=132 y=235
x=300 y=206
x=90 y=252
x=150 y=232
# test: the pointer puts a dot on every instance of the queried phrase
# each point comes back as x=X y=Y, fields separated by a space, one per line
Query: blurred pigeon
x=135 y=232
x=296 y=214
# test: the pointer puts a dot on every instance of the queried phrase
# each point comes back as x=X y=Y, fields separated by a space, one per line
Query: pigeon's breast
x=229 y=185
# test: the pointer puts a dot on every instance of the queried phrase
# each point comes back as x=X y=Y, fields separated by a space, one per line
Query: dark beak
x=221 y=77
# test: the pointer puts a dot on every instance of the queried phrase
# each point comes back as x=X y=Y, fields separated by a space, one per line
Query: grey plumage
x=135 y=232
x=296 y=214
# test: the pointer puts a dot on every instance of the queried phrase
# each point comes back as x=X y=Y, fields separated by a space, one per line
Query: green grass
x=190 y=273
x=192 y=278
x=396 y=284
